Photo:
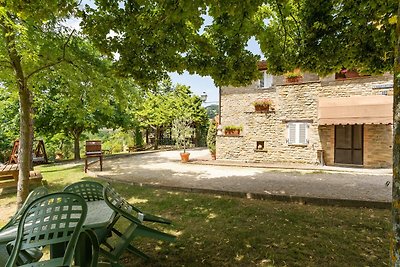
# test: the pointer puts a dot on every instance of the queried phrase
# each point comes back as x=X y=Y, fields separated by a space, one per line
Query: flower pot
x=185 y=157
x=261 y=108
x=232 y=132
x=213 y=155
x=293 y=79
x=352 y=74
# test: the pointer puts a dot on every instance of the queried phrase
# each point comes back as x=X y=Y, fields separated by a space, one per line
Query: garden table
x=98 y=218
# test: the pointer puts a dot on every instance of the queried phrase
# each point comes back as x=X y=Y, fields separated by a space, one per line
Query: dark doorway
x=349 y=144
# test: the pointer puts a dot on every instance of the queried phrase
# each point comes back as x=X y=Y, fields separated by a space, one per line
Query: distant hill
x=212 y=111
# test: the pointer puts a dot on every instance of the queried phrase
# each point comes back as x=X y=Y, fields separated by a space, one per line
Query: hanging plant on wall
x=233 y=130
x=262 y=104
x=293 y=77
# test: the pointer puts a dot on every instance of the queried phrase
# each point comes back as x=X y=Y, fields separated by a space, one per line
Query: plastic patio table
x=99 y=217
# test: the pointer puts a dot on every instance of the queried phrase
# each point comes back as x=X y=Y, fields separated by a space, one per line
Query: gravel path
x=164 y=169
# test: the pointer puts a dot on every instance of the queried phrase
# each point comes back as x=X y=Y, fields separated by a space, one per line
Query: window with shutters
x=265 y=80
x=297 y=133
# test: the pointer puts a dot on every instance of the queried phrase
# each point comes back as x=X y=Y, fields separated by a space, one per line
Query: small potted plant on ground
x=212 y=138
x=262 y=104
x=293 y=77
x=232 y=130
x=59 y=155
x=182 y=132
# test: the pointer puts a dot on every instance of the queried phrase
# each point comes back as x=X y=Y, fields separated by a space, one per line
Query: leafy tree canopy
x=157 y=37
x=161 y=109
x=323 y=36
x=85 y=96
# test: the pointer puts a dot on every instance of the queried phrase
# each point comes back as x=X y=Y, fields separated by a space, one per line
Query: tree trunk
x=31 y=130
x=395 y=240
x=24 y=153
x=77 y=149
x=138 y=137
x=76 y=134
x=156 y=137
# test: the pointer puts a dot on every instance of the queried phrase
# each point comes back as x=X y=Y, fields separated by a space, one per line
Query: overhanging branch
x=46 y=66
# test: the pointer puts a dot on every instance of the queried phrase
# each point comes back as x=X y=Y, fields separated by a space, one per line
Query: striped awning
x=374 y=109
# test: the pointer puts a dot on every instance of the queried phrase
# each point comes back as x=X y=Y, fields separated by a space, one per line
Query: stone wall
x=378 y=145
x=298 y=103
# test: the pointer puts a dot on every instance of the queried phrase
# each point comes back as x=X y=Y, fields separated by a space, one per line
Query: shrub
x=212 y=136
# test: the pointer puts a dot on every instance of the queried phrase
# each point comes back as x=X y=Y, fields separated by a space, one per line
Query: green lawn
x=225 y=231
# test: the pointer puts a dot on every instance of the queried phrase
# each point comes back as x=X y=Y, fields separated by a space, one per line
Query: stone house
x=334 y=120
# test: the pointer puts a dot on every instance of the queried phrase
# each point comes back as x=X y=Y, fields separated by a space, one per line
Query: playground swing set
x=39 y=155
x=9 y=171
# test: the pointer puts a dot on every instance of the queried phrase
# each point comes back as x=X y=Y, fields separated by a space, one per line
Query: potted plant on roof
x=294 y=76
x=232 y=130
x=212 y=138
x=182 y=133
x=262 y=104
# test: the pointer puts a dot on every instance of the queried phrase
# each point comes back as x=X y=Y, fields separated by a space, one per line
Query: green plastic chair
x=93 y=191
x=30 y=255
x=54 y=220
x=142 y=216
x=89 y=190
x=33 y=195
x=126 y=236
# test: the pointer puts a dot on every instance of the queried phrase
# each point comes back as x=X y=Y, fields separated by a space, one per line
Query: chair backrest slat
x=89 y=190
x=115 y=201
x=33 y=195
x=51 y=219
x=93 y=147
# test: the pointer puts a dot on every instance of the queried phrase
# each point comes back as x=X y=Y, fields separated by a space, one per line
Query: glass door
x=349 y=144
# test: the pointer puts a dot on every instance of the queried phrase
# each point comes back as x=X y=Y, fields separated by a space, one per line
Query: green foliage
x=182 y=131
x=212 y=136
x=295 y=74
x=58 y=143
x=264 y=102
x=233 y=128
x=324 y=36
x=160 y=109
x=9 y=121
x=212 y=111
x=157 y=37
x=86 y=97
x=138 y=137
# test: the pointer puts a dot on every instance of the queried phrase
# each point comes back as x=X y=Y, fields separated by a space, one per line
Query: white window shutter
x=297 y=133
x=268 y=78
x=292 y=133
x=302 y=133
x=261 y=81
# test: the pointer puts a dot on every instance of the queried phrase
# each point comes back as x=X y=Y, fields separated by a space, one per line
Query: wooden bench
x=9 y=176
x=93 y=150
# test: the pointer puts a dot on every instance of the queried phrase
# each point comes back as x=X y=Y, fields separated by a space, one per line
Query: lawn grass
x=225 y=231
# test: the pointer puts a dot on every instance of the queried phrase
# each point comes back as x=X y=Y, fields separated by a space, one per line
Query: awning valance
x=374 y=109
